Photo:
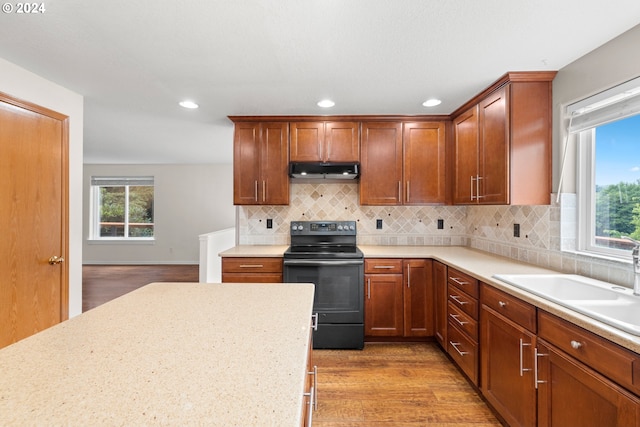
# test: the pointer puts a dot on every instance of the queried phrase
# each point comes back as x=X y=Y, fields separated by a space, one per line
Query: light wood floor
x=384 y=385
x=392 y=385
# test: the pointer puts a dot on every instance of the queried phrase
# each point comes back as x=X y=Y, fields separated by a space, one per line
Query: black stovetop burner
x=323 y=239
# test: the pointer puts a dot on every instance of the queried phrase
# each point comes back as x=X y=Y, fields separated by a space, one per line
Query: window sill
x=121 y=241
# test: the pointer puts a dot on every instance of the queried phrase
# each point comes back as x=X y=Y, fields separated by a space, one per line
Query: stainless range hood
x=318 y=170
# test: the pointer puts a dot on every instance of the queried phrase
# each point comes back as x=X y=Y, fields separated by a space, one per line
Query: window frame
x=95 y=205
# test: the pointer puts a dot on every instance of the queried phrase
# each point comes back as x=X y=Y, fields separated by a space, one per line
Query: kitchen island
x=167 y=354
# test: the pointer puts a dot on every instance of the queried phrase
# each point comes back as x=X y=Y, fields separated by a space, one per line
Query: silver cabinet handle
x=264 y=191
x=408 y=276
x=522 y=369
x=576 y=344
x=456 y=298
x=458 y=281
x=537 y=381
x=455 y=345
x=455 y=317
x=408 y=191
x=314 y=372
x=478 y=196
x=471 y=187
x=386 y=267
x=502 y=304
x=251 y=265
x=255 y=190
x=368 y=288
x=399 y=191
x=314 y=321
x=311 y=395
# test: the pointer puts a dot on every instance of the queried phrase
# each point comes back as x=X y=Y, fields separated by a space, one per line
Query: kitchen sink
x=610 y=304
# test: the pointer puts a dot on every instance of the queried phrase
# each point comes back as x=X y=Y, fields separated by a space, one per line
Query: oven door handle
x=313 y=263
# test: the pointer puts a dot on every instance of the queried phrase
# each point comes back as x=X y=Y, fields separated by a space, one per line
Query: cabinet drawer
x=382 y=266
x=524 y=314
x=463 y=281
x=251 y=278
x=617 y=363
x=464 y=352
x=463 y=301
x=463 y=321
x=252 y=265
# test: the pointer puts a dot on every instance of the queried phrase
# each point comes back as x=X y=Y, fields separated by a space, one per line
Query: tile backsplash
x=547 y=233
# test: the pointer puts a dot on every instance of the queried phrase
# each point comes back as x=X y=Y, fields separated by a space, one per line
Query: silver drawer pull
x=456 y=298
x=455 y=317
x=458 y=281
x=455 y=345
x=502 y=304
x=251 y=265
x=575 y=344
x=383 y=266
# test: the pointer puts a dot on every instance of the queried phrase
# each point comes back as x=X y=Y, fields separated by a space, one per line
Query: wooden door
x=274 y=164
x=33 y=217
x=507 y=368
x=381 y=158
x=246 y=163
x=494 y=149
x=307 y=140
x=440 y=301
x=571 y=394
x=383 y=305
x=465 y=173
x=342 y=142
x=418 y=298
x=424 y=163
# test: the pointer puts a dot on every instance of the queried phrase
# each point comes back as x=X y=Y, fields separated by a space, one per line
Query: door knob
x=56 y=260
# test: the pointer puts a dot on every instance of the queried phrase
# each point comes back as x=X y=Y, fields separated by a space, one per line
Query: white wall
x=25 y=85
x=189 y=200
x=611 y=64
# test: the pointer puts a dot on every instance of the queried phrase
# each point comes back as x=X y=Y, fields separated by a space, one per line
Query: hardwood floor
x=102 y=283
x=392 y=385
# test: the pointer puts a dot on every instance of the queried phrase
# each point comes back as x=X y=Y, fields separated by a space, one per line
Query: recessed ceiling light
x=326 y=103
x=189 y=104
x=431 y=102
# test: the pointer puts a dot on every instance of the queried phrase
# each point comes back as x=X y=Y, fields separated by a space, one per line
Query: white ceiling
x=134 y=60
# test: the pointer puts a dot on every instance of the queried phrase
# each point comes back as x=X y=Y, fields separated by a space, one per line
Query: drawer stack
x=462 y=323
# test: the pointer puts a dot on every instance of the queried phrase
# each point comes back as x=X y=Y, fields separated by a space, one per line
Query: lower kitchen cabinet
x=440 y=302
x=399 y=298
x=572 y=394
x=252 y=270
x=507 y=356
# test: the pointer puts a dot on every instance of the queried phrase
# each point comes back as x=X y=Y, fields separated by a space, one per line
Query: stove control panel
x=334 y=228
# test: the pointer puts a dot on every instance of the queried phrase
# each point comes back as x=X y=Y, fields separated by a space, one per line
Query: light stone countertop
x=167 y=354
x=255 y=251
x=482 y=266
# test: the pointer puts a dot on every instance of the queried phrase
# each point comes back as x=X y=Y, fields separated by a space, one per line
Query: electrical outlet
x=379 y=224
x=516 y=230
x=440 y=224
x=269 y=223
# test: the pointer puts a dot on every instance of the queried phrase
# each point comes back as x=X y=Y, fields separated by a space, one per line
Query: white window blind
x=121 y=180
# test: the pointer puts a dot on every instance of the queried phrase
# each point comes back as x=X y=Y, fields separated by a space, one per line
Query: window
x=608 y=134
x=122 y=208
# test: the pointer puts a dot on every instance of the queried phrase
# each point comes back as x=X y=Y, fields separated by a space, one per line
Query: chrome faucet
x=635 y=254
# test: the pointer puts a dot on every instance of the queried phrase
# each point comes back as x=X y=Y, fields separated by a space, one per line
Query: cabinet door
x=342 y=142
x=424 y=163
x=440 y=301
x=274 y=164
x=571 y=394
x=307 y=139
x=465 y=185
x=381 y=158
x=418 y=298
x=246 y=163
x=383 y=305
x=494 y=149
x=506 y=360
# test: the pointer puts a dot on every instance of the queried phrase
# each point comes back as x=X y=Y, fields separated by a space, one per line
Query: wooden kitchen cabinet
x=325 y=141
x=507 y=330
x=440 y=302
x=384 y=303
x=260 y=163
x=398 y=298
x=502 y=143
x=462 y=322
x=252 y=270
x=403 y=163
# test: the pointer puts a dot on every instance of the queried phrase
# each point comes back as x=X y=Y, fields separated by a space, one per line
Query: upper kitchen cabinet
x=403 y=163
x=502 y=143
x=325 y=142
x=260 y=163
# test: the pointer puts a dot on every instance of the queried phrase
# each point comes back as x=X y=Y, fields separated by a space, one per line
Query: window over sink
x=122 y=208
